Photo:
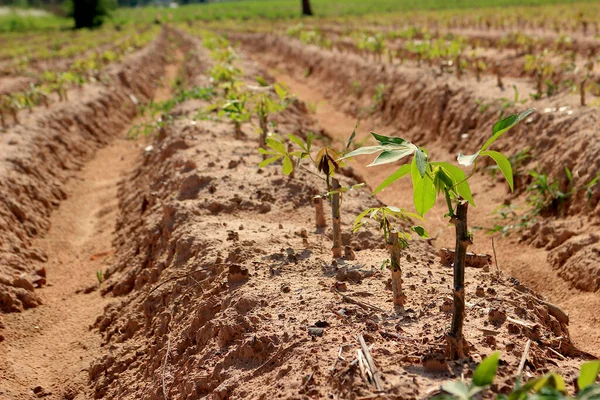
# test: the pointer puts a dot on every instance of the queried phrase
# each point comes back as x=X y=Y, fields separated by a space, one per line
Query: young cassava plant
x=268 y=99
x=431 y=179
x=396 y=239
x=549 y=386
x=327 y=162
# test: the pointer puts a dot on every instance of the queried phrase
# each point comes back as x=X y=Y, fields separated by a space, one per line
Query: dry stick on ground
x=395 y=249
x=495 y=259
x=336 y=219
x=366 y=306
x=361 y=365
x=463 y=240
x=375 y=373
x=523 y=360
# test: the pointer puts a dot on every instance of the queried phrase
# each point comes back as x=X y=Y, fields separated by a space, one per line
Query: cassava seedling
x=327 y=162
x=550 y=386
x=396 y=239
x=431 y=179
x=268 y=99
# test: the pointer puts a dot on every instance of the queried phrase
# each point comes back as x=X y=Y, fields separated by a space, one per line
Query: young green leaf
x=503 y=164
x=421 y=157
x=276 y=145
x=423 y=190
x=268 y=161
x=419 y=230
x=589 y=374
x=457 y=388
x=298 y=141
x=485 y=372
x=467 y=160
x=389 y=156
x=351 y=138
x=569 y=174
x=501 y=127
x=288 y=167
x=385 y=140
x=461 y=185
x=403 y=170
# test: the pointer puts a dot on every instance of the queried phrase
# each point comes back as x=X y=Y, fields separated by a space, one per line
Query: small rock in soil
x=237 y=273
x=315 y=331
x=434 y=362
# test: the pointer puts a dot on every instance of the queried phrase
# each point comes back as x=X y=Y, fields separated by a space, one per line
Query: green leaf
x=364 y=150
x=288 y=167
x=467 y=160
x=457 y=388
x=403 y=170
x=389 y=156
x=384 y=140
x=557 y=382
x=591 y=392
x=503 y=164
x=458 y=175
x=569 y=174
x=280 y=90
x=486 y=371
x=268 y=152
x=589 y=374
x=298 y=141
x=268 y=161
x=276 y=145
x=501 y=127
x=261 y=81
x=351 y=138
x=419 y=230
x=423 y=190
x=421 y=157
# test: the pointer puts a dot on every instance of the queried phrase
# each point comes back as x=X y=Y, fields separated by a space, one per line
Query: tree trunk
x=85 y=13
x=306 y=9
x=458 y=70
x=395 y=249
x=582 y=91
x=336 y=220
x=463 y=240
x=319 y=213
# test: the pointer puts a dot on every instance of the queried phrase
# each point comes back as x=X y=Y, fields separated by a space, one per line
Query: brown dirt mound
x=230 y=292
x=38 y=156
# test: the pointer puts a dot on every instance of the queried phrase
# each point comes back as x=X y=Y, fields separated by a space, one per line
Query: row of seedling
x=431 y=180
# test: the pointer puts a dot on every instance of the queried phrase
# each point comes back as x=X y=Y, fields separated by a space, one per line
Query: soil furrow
x=47 y=350
x=528 y=264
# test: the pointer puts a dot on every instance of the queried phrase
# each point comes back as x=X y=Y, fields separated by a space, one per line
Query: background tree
x=306 y=9
x=91 y=13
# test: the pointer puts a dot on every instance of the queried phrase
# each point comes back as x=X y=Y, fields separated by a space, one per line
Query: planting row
x=52 y=84
x=39 y=155
x=219 y=292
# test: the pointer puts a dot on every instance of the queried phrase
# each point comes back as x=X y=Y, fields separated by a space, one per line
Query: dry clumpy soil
x=218 y=285
x=225 y=289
